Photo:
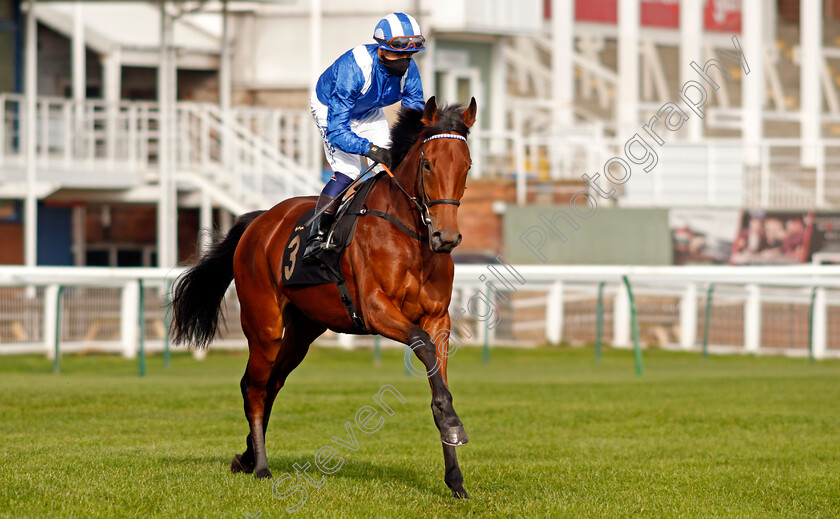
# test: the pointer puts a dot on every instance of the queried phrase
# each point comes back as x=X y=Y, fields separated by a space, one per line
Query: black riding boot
x=319 y=228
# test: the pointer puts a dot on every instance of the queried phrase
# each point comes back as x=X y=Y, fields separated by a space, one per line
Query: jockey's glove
x=381 y=155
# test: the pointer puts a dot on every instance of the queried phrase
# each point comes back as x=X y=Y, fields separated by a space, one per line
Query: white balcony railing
x=485 y=16
x=72 y=137
x=94 y=144
x=718 y=173
x=260 y=156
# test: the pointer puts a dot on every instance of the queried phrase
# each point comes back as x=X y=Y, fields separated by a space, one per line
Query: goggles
x=403 y=42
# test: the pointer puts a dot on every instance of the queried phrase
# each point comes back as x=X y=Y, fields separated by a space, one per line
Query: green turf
x=552 y=434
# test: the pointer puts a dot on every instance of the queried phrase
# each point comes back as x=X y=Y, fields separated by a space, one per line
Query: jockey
x=347 y=108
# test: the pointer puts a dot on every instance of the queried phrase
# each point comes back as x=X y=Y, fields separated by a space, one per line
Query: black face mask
x=395 y=67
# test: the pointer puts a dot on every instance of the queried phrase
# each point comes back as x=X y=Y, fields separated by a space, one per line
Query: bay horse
x=398 y=271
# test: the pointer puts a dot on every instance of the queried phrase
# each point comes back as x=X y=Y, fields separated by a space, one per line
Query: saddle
x=327 y=268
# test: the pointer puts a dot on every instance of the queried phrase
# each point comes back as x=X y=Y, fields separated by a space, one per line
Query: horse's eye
x=427 y=166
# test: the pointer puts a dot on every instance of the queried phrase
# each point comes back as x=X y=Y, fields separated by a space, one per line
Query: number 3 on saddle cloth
x=328 y=267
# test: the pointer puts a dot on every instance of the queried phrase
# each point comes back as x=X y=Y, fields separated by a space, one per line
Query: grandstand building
x=129 y=129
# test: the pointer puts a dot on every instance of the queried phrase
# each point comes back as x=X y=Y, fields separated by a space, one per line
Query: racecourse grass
x=553 y=434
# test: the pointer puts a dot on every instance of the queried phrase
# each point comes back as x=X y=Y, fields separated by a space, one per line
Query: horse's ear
x=430 y=114
x=469 y=113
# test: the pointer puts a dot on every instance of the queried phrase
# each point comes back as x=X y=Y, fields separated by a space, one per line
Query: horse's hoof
x=460 y=494
x=262 y=473
x=454 y=436
x=237 y=466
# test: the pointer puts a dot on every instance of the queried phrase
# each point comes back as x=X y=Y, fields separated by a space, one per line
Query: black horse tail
x=198 y=294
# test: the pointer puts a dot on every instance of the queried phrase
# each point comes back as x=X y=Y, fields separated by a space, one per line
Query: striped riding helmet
x=399 y=32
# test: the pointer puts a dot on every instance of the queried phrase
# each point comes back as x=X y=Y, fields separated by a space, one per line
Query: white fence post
x=752 y=319
x=688 y=317
x=819 y=179
x=131 y=117
x=764 y=153
x=129 y=314
x=621 y=318
x=554 y=313
x=50 y=317
x=820 y=323
x=481 y=331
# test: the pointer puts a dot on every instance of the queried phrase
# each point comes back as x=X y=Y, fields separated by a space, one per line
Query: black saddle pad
x=328 y=268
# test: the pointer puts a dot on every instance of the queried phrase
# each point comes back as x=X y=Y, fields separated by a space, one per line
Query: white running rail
x=757 y=310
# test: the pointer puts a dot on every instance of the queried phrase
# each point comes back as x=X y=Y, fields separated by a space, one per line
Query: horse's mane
x=409 y=129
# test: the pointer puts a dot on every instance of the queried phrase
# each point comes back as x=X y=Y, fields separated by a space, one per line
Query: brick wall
x=482 y=227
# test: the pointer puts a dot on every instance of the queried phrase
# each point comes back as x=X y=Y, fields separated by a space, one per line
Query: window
x=120 y=255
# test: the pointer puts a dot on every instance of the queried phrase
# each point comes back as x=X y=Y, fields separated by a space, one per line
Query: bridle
x=426 y=202
x=423 y=204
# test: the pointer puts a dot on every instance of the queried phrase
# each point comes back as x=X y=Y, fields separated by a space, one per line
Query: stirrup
x=316 y=244
x=313 y=247
x=319 y=233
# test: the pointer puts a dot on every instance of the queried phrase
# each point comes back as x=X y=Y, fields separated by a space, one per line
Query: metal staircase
x=91 y=145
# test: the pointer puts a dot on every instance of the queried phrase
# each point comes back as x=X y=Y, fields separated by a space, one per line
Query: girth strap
x=347 y=300
x=358 y=322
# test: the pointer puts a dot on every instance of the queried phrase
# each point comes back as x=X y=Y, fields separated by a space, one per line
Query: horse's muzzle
x=445 y=241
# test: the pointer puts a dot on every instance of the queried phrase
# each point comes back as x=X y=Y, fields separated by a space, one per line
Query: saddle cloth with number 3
x=328 y=268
